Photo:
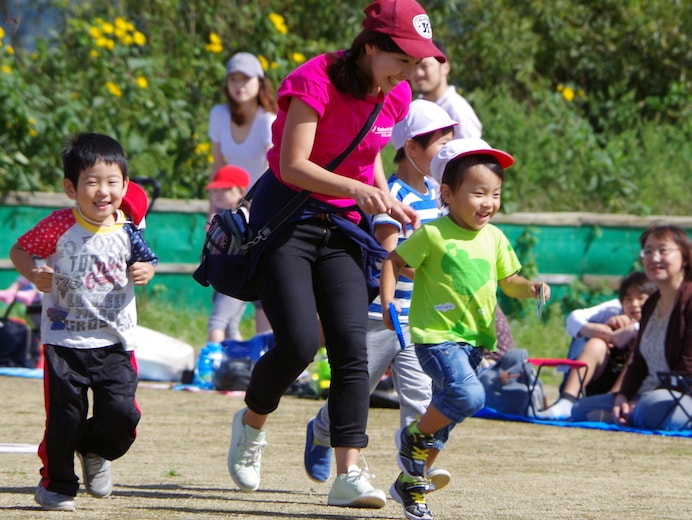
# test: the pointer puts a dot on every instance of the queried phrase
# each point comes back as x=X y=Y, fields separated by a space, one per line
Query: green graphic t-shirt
x=455 y=288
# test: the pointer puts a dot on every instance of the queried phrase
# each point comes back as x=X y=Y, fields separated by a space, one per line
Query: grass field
x=176 y=469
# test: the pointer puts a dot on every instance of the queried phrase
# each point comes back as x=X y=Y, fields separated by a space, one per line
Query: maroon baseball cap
x=407 y=23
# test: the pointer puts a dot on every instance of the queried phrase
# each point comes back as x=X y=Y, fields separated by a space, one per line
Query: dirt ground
x=501 y=470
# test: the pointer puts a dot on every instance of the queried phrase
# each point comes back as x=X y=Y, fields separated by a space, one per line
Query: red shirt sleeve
x=42 y=239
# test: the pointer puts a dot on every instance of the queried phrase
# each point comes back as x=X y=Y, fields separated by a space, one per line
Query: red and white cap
x=135 y=203
x=407 y=23
x=461 y=147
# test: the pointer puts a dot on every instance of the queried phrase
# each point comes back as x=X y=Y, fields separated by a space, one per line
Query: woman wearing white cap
x=240 y=133
x=240 y=129
x=314 y=264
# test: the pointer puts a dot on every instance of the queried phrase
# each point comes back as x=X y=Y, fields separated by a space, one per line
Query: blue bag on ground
x=18 y=345
x=233 y=373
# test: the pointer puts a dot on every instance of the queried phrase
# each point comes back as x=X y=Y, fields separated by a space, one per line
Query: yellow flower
x=560 y=87
x=107 y=27
x=126 y=39
x=263 y=61
x=210 y=159
x=94 y=53
x=568 y=93
x=278 y=22
x=2 y=33
x=95 y=32
x=121 y=23
x=581 y=93
x=31 y=121
x=9 y=49
x=114 y=89
x=211 y=47
x=202 y=148
x=141 y=82
x=105 y=43
x=214 y=44
x=6 y=69
x=130 y=27
x=139 y=38
x=274 y=65
x=298 y=57
x=33 y=132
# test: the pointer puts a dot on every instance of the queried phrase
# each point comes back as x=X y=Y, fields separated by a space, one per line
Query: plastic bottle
x=321 y=373
x=210 y=357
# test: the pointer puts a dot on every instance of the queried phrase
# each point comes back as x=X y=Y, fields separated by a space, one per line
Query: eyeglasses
x=661 y=251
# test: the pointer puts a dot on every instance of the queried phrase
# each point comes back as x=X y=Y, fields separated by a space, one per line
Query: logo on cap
x=422 y=25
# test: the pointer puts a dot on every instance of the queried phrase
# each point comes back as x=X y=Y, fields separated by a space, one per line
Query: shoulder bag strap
x=9 y=308
x=302 y=196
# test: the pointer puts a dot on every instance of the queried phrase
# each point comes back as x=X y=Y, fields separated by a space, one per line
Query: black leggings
x=312 y=268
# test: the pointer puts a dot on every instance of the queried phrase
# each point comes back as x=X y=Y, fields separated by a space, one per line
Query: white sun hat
x=423 y=117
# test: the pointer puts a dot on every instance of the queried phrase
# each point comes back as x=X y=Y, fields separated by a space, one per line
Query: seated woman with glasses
x=663 y=345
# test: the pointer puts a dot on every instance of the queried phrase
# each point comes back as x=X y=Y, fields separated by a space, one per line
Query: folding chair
x=683 y=385
x=554 y=362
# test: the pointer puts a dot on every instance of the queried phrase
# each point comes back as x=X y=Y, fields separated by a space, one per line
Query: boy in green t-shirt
x=460 y=259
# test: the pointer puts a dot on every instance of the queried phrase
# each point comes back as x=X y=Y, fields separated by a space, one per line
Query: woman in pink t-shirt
x=313 y=265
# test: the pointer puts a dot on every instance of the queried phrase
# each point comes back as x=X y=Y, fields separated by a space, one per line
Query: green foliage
x=593 y=98
x=581 y=295
x=546 y=338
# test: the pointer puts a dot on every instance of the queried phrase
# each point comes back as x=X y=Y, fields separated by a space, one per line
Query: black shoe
x=411 y=495
x=413 y=451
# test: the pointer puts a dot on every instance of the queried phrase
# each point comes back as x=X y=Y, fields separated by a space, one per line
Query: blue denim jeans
x=457 y=392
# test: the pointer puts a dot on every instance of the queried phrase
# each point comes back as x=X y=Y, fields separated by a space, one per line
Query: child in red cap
x=226 y=189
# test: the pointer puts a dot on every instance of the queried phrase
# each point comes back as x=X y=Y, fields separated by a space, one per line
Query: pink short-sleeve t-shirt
x=341 y=117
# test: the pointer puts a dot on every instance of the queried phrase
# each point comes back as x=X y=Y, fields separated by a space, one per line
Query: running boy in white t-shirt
x=94 y=256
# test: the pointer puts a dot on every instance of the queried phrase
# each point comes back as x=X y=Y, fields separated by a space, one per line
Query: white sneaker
x=438 y=477
x=52 y=501
x=561 y=409
x=245 y=453
x=353 y=489
x=96 y=472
